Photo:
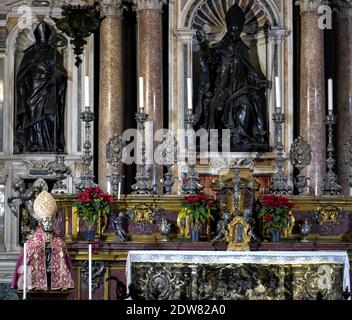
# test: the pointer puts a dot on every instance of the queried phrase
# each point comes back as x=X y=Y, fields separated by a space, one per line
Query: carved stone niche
x=263 y=33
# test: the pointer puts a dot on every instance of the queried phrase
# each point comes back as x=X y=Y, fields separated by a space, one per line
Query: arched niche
x=264 y=33
x=19 y=40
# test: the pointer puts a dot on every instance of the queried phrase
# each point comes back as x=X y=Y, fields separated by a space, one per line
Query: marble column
x=312 y=92
x=111 y=108
x=150 y=67
x=344 y=92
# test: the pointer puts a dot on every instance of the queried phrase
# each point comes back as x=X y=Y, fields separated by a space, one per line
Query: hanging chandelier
x=78 y=22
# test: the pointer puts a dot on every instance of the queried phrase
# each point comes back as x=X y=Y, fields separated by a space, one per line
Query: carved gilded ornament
x=143 y=213
x=238 y=238
x=328 y=215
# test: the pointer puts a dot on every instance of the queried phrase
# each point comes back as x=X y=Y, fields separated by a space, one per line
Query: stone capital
x=112 y=7
x=309 y=5
x=278 y=34
x=343 y=9
x=148 y=4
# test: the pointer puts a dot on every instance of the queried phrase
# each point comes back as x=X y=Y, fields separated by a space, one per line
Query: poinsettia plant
x=90 y=202
x=275 y=213
x=196 y=210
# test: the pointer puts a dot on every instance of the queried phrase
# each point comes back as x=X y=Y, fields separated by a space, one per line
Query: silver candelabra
x=87 y=175
x=279 y=183
x=192 y=185
x=143 y=184
x=330 y=182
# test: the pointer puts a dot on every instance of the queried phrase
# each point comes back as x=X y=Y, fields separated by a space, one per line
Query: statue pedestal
x=45 y=295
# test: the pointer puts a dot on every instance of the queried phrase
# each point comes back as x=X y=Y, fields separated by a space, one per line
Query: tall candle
x=118 y=195
x=141 y=94
x=190 y=95
x=331 y=96
x=25 y=271
x=108 y=188
x=90 y=272
x=278 y=92
x=86 y=91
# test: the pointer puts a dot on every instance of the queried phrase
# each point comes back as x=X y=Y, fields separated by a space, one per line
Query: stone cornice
x=112 y=7
x=148 y=4
x=309 y=5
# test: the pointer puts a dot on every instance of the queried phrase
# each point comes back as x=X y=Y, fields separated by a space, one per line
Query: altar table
x=254 y=275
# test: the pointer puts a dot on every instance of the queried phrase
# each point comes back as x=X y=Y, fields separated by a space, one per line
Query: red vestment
x=61 y=268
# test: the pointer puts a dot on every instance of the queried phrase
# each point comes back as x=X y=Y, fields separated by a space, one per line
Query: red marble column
x=111 y=106
x=312 y=93
x=150 y=63
x=344 y=93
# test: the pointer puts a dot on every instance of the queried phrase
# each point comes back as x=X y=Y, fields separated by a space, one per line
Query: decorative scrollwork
x=98 y=270
x=347 y=152
x=114 y=149
x=300 y=154
x=328 y=215
x=168 y=158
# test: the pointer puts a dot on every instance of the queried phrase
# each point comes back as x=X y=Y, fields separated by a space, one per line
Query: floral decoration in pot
x=196 y=210
x=275 y=213
x=90 y=202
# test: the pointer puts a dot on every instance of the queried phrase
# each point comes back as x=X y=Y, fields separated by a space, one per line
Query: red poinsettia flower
x=92 y=201
x=275 y=213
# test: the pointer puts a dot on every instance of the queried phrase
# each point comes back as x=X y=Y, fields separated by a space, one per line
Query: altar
x=214 y=275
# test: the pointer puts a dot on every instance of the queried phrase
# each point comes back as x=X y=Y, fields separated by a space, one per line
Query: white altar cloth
x=227 y=257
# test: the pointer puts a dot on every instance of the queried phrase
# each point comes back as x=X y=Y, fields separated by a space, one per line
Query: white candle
x=118 y=195
x=108 y=188
x=278 y=92
x=141 y=94
x=331 y=96
x=189 y=92
x=25 y=271
x=86 y=91
x=90 y=272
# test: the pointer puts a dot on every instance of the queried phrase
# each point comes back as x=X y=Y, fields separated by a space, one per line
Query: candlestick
x=141 y=94
x=25 y=271
x=90 y=272
x=331 y=96
x=118 y=196
x=190 y=95
x=108 y=188
x=86 y=91
x=278 y=92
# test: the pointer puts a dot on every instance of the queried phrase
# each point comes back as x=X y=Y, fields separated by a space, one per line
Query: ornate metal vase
x=164 y=229
x=305 y=230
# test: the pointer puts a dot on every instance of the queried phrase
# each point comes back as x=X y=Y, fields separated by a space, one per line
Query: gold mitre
x=44 y=206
